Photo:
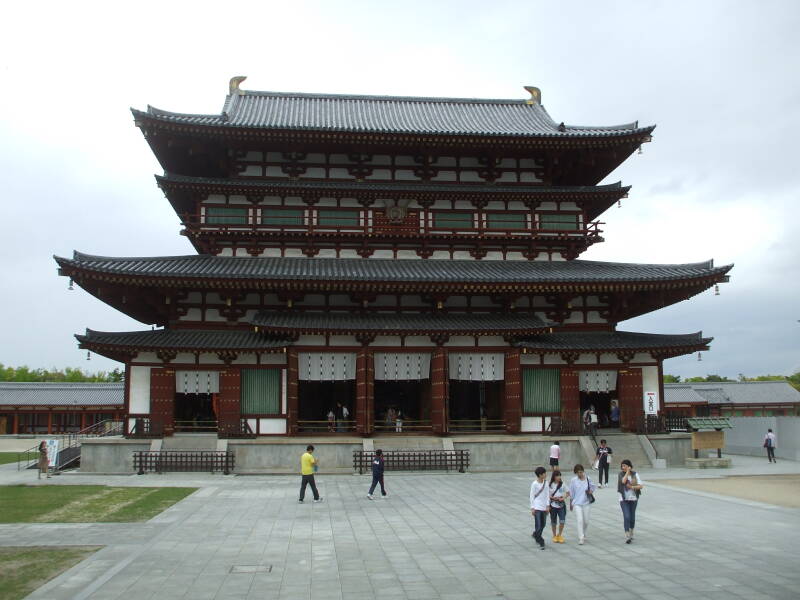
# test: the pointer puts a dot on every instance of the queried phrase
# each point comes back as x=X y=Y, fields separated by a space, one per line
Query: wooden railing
x=476 y=425
x=195 y=426
x=404 y=426
x=414 y=460
x=661 y=424
x=144 y=427
x=172 y=461
x=237 y=429
x=306 y=426
x=568 y=423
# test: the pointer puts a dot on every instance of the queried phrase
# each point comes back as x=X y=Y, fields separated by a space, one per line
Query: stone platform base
x=708 y=463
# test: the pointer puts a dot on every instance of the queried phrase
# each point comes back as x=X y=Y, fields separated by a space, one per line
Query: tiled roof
x=611 y=341
x=389 y=270
x=389 y=114
x=709 y=423
x=62 y=394
x=681 y=394
x=399 y=323
x=741 y=392
x=179 y=339
x=398 y=187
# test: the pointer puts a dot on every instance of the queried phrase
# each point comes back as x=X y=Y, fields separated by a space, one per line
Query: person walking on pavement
x=540 y=500
x=308 y=466
x=377 y=474
x=555 y=454
x=581 y=491
x=603 y=457
x=770 y=444
x=629 y=487
x=558 y=507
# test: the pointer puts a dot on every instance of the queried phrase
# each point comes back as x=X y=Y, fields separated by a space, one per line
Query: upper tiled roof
x=611 y=341
x=390 y=114
x=399 y=323
x=62 y=394
x=681 y=394
x=740 y=392
x=389 y=270
x=179 y=339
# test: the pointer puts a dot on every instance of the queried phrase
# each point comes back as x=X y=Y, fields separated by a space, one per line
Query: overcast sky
x=720 y=180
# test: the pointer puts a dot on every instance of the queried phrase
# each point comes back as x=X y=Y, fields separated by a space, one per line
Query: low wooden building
x=732 y=399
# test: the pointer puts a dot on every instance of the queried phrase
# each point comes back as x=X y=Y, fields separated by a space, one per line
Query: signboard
x=52 y=452
x=651 y=403
x=708 y=440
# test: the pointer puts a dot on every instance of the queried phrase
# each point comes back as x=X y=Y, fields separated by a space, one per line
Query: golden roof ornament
x=536 y=95
x=233 y=86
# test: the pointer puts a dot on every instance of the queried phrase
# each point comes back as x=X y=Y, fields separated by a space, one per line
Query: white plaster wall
x=146 y=357
x=386 y=340
x=419 y=340
x=529 y=359
x=310 y=340
x=650 y=382
x=273 y=359
x=207 y=358
x=139 y=401
x=460 y=341
x=267 y=426
x=343 y=340
x=491 y=340
x=184 y=358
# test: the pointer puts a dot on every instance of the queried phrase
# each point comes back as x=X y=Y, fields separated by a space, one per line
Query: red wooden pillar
x=365 y=399
x=512 y=403
x=570 y=398
x=629 y=390
x=49 y=422
x=83 y=420
x=439 y=390
x=230 y=400
x=291 y=391
x=162 y=401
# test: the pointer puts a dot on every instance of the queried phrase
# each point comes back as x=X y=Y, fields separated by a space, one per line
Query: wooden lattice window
x=453 y=220
x=261 y=391
x=281 y=217
x=226 y=215
x=505 y=220
x=559 y=221
x=541 y=391
x=338 y=218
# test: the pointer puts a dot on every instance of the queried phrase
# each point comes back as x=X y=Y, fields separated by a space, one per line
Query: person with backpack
x=558 y=507
x=540 y=501
x=581 y=495
x=769 y=444
x=377 y=474
x=629 y=487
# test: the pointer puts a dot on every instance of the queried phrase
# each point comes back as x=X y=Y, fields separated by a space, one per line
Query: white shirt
x=771 y=436
x=577 y=490
x=593 y=417
x=562 y=490
x=630 y=494
x=555 y=451
x=539 y=496
x=345 y=412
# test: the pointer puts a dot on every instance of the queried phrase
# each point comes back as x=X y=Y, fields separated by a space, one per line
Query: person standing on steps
x=593 y=421
x=581 y=491
x=540 y=500
x=629 y=487
x=377 y=474
x=769 y=444
x=555 y=454
x=603 y=457
x=558 y=506
x=308 y=465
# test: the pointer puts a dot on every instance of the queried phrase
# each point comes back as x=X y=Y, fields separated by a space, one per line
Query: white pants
x=582 y=516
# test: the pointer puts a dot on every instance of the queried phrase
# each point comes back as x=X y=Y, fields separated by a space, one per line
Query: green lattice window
x=261 y=391
x=559 y=221
x=541 y=391
x=453 y=220
x=281 y=217
x=226 y=215
x=502 y=220
x=338 y=218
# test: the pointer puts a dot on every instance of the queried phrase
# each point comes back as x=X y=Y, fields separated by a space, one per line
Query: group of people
x=337 y=420
x=552 y=498
x=309 y=464
x=394 y=418
x=591 y=419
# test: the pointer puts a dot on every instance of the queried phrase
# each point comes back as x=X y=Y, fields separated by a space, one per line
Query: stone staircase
x=625 y=445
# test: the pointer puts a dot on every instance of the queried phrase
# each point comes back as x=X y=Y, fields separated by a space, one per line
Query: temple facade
x=395 y=264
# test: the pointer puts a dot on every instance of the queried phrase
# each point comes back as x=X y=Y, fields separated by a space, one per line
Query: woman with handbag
x=558 y=507
x=581 y=495
x=629 y=486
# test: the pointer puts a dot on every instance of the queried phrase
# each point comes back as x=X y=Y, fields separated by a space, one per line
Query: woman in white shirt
x=629 y=486
x=581 y=492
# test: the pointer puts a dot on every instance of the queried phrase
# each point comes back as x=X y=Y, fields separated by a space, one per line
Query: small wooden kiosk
x=708 y=433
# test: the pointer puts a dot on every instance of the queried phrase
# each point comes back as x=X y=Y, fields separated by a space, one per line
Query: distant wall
x=521 y=455
x=747 y=436
x=110 y=455
x=675 y=448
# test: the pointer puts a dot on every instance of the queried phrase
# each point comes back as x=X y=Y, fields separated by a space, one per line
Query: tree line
x=793 y=380
x=26 y=374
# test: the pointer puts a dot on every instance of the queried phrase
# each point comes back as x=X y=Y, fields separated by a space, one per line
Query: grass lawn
x=22 y=570
x=8 y=457
x=85 y=503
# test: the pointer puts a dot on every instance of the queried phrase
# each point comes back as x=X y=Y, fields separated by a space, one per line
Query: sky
x=720 y=179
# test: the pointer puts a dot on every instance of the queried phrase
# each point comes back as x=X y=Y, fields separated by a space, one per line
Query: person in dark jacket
x=377 y=474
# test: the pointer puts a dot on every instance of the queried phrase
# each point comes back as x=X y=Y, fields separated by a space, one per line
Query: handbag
x=596 y=464
x=589 y=495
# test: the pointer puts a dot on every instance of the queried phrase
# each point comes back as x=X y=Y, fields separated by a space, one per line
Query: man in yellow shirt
x=308 y=464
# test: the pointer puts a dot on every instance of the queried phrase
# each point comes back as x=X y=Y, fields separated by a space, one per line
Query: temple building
x=378 y=263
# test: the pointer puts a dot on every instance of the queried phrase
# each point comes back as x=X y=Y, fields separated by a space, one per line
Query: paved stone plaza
x=436 y=536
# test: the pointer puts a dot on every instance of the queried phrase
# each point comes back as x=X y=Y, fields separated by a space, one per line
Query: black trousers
x=308 y=480
x=603 y=468
x=771 y=453
x=376 y=479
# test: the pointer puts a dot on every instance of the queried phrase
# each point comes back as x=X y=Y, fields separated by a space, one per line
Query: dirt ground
x=781 y=490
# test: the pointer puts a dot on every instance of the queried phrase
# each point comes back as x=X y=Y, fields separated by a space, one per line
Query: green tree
x=671 y=378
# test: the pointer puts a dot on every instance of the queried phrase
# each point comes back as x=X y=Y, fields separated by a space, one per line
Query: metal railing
x=568 y=423
x=189 y=426
x=661 y=424
x=181 y=461
x=69 y=445
x=403 y=426
x=476 y=425
x=414 y=460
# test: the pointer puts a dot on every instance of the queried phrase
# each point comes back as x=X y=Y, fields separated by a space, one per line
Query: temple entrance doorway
x=408 y=399
x=603 y=403
x=475 y=406
x=317 y=399
x=195 y=413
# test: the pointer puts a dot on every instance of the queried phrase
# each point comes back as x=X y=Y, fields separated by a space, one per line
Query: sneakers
x=370 y=496
x=385 y=496
x=300 y=501
x=560 y=539
x=555 y=539
x=318 y=499
x=582 y=541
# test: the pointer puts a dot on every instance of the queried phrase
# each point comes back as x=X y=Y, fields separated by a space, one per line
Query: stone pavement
x=448 y=536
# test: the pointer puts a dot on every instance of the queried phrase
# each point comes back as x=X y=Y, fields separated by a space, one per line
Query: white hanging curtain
x=597 y=381
x=197 y=382
x=402 y=366
x=326 y=366
x=477 y=367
